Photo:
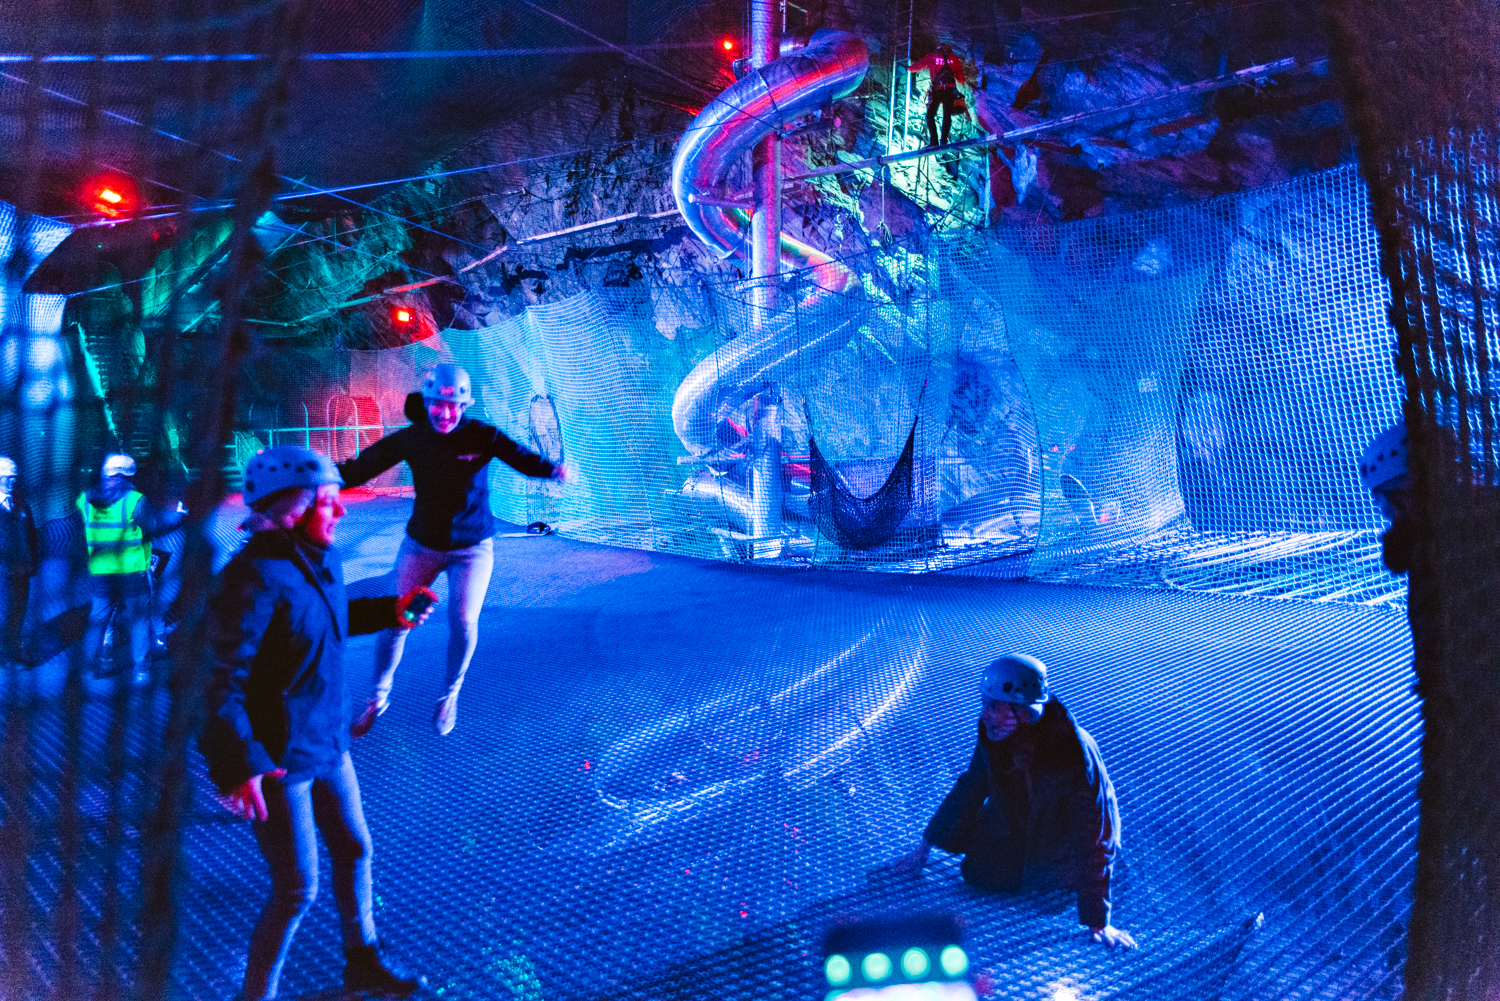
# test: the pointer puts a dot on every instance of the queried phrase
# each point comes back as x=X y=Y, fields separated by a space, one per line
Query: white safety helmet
x=1018 y=678
x=448 y=382
x=117 y=464
x=1384 y=459
x=8 y=467
x=283 y=466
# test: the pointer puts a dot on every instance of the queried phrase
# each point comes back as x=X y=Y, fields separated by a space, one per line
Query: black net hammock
x=861 y=522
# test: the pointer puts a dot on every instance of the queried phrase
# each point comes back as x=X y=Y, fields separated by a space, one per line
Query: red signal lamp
x=402 y=315
x=727 y=44
x=110 y=196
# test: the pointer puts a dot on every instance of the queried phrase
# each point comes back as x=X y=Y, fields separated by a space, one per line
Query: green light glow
x=915 y=964
x=954 y=961
x=877 y=966
x=837 y=969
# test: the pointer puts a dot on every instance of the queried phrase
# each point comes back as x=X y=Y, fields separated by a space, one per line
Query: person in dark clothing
x=945 y=75
x=20 y=551
x=1384 y=472
x=1035 y=809
x=118 y=526
x=277 y=736
x=451 y=529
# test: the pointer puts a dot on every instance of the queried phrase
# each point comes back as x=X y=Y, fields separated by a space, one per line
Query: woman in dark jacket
x=451 y=529
x=277 y=737
x=1035 y=808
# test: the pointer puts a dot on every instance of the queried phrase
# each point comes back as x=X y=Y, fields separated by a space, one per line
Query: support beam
x=765 y=224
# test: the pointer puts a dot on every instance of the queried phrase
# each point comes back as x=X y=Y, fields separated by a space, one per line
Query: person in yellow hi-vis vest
x=118 y=524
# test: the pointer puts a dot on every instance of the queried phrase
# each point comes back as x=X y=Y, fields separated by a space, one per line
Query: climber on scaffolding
x=945 y=75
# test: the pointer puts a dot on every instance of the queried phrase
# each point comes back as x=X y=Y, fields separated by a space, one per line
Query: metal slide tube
x=830 y=65
x=765 y=225
x=767 y=99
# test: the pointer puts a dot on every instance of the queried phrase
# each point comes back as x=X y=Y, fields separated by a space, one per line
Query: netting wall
x=1174 y=398
x=1424 y=108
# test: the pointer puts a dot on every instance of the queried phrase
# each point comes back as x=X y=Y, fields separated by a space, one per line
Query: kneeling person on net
x=451 y=529
x=1035 y=809
x=277 y=737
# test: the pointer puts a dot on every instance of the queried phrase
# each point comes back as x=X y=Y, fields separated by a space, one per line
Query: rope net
x=1172 y=402
x=1424 y=106
x=1174 y=399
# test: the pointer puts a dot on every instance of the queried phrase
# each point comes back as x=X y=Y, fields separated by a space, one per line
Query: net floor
x=669 y=776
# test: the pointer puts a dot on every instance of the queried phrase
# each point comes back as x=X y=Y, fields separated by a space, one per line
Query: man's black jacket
x=278 y=698
x=20 y=546
x=1033 y=811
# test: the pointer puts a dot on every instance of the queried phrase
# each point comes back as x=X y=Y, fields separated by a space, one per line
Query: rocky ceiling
x=180 y=125
x=564 y=112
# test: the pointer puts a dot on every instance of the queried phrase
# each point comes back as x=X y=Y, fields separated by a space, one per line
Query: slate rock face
x=886 y=214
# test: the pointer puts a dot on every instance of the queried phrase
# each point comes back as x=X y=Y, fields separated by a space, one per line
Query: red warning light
x=110 y=196
x=727 y=44
x=402 y=315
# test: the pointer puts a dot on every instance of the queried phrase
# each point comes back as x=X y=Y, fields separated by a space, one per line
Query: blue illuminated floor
x=668 y=776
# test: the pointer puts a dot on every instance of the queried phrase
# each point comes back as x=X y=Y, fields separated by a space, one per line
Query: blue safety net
x=1174 y=398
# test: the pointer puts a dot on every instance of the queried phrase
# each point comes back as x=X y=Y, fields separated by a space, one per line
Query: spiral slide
x=830 y=65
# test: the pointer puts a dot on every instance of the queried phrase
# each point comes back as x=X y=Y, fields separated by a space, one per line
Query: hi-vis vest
x=116 y=542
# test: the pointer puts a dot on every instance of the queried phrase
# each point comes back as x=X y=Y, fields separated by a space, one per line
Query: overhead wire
x=338 y=192
x=139 y=58
x=52 y=92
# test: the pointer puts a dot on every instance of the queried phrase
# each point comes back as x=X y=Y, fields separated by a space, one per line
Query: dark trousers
x=296 y=812
x=945 y=98
x=125 y=600
x=17 y=590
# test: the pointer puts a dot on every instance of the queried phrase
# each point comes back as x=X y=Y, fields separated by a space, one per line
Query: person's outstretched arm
x=371 y=615
x=374 y=460
x=953 y=822
x=155 y=522
x=927 y=62
x=523 y=460
x=949 y=827
x=1096 y=822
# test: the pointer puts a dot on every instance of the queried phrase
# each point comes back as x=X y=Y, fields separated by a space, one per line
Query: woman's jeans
x=468 y=579
x=295 y=812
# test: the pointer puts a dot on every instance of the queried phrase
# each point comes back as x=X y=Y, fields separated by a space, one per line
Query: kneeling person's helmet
x=283 y=466
x=448 y=382
x=1018 y=678
x=1384 y=459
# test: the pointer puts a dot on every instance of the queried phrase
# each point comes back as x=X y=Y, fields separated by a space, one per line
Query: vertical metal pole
x=911 y=18
x=765 y=247
x=765 y=225
x=765 y=478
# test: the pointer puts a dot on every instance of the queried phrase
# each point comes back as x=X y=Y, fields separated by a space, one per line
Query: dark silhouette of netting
x=862 y=522
x=1423 y=81
x=96 y=769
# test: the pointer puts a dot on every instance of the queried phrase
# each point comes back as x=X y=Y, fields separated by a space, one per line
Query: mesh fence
x=1175 y=398
x=1424 y=109
x=1172 y=401
x=91 y=815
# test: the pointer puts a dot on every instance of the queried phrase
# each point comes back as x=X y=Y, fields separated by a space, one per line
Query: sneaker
x=365 y=969
x=365 y=721
x=445 y=715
